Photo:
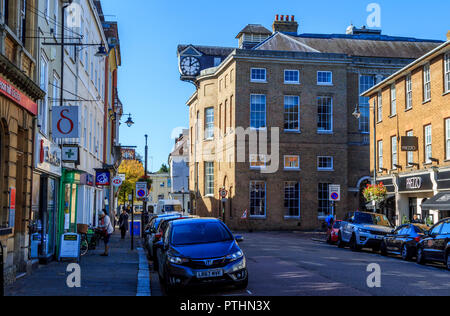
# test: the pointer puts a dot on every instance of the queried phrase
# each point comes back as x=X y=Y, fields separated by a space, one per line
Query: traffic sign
x=335 y=192
x=117 y=181
x=223 y=193
x=141 y=190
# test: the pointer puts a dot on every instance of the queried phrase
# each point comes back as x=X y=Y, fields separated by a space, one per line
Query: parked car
x=436 y=244
x=363 y=230
x=161 y=229
x=200 y=251
x=403 y=241
x=333 y=232
x=152 y=229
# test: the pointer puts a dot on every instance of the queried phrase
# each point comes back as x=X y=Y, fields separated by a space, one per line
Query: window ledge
x=325 y=84
x=325 y=132
x=292 y=169
x=296 y=218
x=326 y=170
x=392 y=116
x=210 y=196
x=258 y=81
x=286 y=131
x=426 y=101
x=261 y=217
x=292 y=83
x=407 y=110
x=445 y=93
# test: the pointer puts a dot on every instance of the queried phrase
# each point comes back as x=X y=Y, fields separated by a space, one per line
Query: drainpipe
x=2 y=275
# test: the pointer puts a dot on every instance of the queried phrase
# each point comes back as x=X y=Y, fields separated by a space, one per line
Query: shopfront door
x=412 y=208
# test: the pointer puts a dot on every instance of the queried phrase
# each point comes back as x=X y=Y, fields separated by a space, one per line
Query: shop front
x=45 y=199
x=388 y=206
x=68 y=202
x=413 y=190
x=438 y=207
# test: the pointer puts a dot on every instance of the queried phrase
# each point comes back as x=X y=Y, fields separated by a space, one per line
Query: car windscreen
x=421 y=228
x=199 y=233
x=372 y=219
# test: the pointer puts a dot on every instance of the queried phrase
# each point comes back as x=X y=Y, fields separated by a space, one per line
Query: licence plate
x=210 y=274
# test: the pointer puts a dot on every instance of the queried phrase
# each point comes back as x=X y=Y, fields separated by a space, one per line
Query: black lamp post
x=145 y=211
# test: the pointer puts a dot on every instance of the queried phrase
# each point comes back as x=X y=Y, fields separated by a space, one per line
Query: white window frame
x=380 y=154
x=209 y=178
x=290 y=184
x=327 y=168
x=428 y=142
x=286 y=97
x=325 y=83
x=426 y=83
x=292 y=81
x=330 y=115
x=409 y=92
x=253 y=183
x=447 y=139
x=325 y=198
x=393 y=100
x=288 y=167
x=258 y=79
x=209 y=123
x=380 y=107
x=264 y=97
x=447 y=72
x=409 y=154
x=394 y=152
x=365 y=83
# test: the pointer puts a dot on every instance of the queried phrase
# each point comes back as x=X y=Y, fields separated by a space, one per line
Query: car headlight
x=235 y=256
x=364 y=231
x=177 y=260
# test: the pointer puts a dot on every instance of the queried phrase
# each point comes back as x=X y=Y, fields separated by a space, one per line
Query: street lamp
x=129 y=122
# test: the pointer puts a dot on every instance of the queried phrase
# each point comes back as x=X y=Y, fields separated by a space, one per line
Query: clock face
x=190 y=66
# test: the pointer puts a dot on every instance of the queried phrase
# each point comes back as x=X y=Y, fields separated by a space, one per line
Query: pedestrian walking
x=123 y=223
x=107 y=229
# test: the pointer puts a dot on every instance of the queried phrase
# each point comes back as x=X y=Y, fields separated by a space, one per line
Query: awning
x=440 y=202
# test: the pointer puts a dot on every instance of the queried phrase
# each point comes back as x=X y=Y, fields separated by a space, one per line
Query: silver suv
x=363 y=230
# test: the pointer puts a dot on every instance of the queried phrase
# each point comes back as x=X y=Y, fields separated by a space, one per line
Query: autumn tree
x=134 y=171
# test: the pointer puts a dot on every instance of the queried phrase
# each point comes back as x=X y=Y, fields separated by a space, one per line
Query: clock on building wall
x=190 y=66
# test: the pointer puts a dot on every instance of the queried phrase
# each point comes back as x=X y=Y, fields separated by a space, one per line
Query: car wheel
x=340 y=242
x=353 y=244
x=406 y=254
x=168 y=288
x=383 y=249
x=420 y=256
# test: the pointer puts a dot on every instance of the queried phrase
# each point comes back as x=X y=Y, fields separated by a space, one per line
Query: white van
x=169 y=206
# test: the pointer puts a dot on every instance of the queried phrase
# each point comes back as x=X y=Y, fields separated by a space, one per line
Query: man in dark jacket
x=123 y=223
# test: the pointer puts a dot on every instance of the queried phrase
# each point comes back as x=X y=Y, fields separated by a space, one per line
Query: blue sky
x=150 y=31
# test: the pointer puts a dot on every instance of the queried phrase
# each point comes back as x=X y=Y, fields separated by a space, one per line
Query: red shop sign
x=18 y=97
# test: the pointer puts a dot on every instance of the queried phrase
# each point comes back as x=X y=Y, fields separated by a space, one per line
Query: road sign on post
x=141 y=190
x=335 y=192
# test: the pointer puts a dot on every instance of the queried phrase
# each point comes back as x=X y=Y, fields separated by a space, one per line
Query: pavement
x=302 y=264
x=123 y=273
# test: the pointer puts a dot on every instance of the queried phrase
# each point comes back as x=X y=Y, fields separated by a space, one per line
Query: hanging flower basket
x=375 y=193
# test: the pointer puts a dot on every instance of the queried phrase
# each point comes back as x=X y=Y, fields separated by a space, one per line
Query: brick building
x=307 y=86
x=19 y=94
x=414 y=102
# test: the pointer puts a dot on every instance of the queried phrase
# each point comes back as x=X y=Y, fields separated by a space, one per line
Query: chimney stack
x=285 y=25
x=448 y=36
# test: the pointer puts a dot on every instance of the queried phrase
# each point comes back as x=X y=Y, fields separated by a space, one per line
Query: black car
x=152 y=230
x=403 y=241
x=200 y=251
x=436 y=244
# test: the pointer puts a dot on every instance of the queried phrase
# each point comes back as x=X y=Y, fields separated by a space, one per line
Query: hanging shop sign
x=18 y=97
x=87 y=179
x=128 y=153
x=12 y=207
x=71 y=154
x=48 y=157
x=102 y=178
x=65 y=122
x=414 y=183
x=409 y=143
x=117 y=181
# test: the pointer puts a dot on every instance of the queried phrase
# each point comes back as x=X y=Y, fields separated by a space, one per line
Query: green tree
x=164 y=169
x=133 y=170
